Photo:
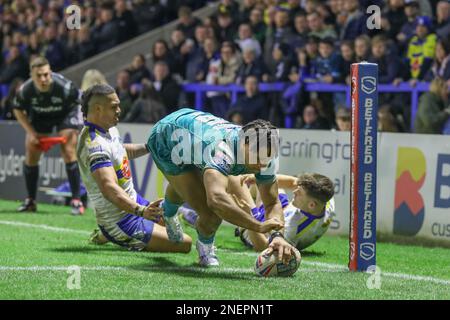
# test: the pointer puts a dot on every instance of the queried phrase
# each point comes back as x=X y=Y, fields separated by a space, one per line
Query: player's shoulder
x=62 y=84
x=26 y=89
x=59 y=79
x=91 y=138
x=114 y=132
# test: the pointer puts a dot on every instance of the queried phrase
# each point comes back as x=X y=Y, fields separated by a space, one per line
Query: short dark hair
x=265 y=127
x=184 y=11
x=97 y=90
x=38 y=62
x=317 y=186
x=327 y=40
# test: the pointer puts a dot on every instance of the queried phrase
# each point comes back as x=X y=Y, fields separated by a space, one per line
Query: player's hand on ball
x=153 y=211
x=282 y=248
x=270 y=224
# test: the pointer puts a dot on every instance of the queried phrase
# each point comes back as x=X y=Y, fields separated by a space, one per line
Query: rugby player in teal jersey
x=198 y=153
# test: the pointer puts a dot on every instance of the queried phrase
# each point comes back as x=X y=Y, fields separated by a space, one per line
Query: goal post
x=363 y=168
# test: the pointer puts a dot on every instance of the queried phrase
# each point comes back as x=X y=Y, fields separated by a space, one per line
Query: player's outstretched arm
x=135 y=150
x=106 y=180
x=225 y=207
x=269 y=197
x=284 y=181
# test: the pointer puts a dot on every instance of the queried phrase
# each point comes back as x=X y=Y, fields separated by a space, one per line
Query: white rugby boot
x=206 y=255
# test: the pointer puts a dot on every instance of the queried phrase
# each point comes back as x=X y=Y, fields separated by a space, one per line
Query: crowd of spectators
x=38 y=27
x=304 y=41
x=292 y=41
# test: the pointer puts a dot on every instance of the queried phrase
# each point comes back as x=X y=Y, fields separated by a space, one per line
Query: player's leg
x=139 y=234
x=189 y=187
x=31 y=173
x=68 y=153
x=159 y=242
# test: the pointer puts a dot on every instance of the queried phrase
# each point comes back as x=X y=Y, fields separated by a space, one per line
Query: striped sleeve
x=99 y=155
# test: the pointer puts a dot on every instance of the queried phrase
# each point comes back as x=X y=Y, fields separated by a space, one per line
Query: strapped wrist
x=139 y=210
x=275 y=234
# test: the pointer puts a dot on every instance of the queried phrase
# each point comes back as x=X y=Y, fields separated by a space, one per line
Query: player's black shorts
x=73 y=120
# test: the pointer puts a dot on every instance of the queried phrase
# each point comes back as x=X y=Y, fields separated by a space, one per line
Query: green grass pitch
x=36 y=250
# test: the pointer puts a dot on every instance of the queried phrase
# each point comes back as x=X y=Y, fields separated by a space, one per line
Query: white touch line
x=42 y=226
x=329 y=266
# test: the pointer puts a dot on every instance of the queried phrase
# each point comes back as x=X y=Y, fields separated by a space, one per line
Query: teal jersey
x=188 y=138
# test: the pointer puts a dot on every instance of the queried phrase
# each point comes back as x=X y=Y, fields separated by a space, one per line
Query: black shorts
x=73 y=120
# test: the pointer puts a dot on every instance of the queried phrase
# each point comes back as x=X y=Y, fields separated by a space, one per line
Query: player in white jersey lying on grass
x=123 y=216
x=307 y=217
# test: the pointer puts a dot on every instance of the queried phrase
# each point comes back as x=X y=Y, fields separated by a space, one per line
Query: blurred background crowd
x=248 y=43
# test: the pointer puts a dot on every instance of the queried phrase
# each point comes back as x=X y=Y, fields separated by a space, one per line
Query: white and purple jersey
x=302 y=228
x=98 y=148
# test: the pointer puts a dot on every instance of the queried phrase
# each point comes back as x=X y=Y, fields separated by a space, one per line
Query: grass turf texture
x=109 y=272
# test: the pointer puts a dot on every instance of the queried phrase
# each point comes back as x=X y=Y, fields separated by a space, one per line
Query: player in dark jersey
x=45 y=101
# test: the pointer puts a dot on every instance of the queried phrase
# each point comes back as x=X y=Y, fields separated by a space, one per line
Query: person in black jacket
x=15 y=66
x=85 y=47
x=138 y=69
x=252 y=105
x=168 y=89
x=53 y=49
x=441 y=64
x=148 y=108
x=148 y=14
x=187 y=22
x=125 y=20
x=251 y=66
x=312 y=120
x=7 y=103
x=388 y=65
x=161 y=52
x=45 y=101
x=280 y=65
x=106 y=32
x=226 y=28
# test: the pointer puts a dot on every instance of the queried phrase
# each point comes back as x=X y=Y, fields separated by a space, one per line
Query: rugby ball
x=267 y=265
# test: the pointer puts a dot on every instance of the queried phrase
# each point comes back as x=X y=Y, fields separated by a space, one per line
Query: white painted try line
x=42 y=226
x=149 y=268
x=330 y=266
